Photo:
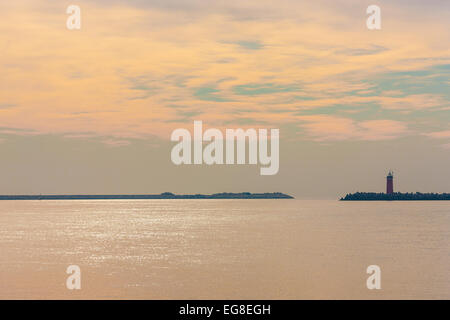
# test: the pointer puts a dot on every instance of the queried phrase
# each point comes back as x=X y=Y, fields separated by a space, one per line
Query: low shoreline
x=165 y=195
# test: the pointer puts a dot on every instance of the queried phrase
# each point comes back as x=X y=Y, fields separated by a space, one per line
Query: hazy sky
x=92 y=110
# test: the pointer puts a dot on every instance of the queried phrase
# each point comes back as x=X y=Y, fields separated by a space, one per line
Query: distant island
x=373 y=196
x=165 y=195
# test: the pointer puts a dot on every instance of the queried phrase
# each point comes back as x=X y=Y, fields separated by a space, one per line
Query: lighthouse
x=390 y=183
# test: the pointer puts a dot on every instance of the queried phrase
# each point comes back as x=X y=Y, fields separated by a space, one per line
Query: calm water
x=221 y=249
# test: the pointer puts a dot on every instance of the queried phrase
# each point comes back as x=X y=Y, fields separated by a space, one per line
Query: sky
x=91 y=111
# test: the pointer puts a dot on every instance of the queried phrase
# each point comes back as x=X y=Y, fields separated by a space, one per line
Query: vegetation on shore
x=373 y=196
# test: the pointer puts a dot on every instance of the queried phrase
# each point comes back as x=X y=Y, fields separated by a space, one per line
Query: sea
x=224 y=249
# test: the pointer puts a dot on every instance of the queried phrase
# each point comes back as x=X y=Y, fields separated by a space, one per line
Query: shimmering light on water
x=220 y=249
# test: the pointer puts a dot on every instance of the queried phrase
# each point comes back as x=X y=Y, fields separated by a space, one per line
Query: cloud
x=412 y=102
x=17 y=131
x=263 y=88
x=209 y=94
x=7 y=105
x=332 y=128
x=439 y=134
x=373 y=49
x=116 y=142
x=251 y=45
x=280 y=60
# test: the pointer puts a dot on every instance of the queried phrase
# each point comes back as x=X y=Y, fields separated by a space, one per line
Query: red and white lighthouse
x=390 y=183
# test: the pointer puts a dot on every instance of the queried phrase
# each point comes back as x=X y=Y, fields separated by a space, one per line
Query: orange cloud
x=131 y=69
x=439 y=134
x=332 y=128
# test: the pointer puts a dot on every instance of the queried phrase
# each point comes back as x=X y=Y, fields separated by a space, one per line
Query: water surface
x=224 y=249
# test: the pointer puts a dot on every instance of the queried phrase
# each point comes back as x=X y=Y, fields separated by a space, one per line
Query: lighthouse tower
x=390 y=183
